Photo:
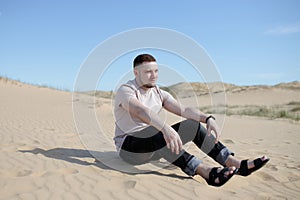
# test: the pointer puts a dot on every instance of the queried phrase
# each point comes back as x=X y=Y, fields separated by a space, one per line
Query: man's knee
x=189 y=125
x=188 y=129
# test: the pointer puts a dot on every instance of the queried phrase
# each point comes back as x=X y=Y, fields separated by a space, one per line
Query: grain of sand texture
x=43 y=157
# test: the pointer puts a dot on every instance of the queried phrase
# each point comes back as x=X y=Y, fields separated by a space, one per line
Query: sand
x=44 y=157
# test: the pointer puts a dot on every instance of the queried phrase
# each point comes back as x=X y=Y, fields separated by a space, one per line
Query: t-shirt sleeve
x=166 y=96
x=124 y=94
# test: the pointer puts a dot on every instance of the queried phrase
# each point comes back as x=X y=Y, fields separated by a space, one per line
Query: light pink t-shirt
x=125 y=123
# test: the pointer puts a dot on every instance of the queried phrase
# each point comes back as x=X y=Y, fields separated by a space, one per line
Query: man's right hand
x=172 y=139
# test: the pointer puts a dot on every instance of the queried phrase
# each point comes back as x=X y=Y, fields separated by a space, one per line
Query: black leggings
x=149 y=144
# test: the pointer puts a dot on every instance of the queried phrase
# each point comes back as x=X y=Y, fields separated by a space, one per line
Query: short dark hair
x=143 y=58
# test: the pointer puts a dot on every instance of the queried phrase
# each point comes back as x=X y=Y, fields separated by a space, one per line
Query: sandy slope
x=42 y=156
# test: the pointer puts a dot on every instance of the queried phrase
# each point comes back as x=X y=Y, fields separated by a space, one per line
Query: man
x=141 y=136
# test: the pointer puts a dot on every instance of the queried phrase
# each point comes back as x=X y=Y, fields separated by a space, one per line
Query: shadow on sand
x=76 y=155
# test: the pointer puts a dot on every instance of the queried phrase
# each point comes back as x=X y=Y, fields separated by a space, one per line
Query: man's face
x=146 y=74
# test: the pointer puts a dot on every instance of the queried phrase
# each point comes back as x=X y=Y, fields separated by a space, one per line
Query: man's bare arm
x=175 y=107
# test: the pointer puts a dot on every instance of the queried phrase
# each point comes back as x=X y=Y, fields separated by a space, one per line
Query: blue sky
x=251 y=42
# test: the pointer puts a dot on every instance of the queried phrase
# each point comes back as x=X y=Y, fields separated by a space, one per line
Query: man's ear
x=135 y=72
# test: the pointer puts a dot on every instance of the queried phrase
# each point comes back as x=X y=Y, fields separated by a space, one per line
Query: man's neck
x=142 y=86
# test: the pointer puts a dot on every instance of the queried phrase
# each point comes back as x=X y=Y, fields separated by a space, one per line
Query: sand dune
x=43 y=156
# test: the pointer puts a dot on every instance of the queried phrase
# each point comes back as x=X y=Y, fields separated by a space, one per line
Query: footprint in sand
x=23 y=173
x=291 y=165
x=130 y=184
x=62 y=171
x=272 y=167
x=293 y=177
x=68 y=171
x=228 y=141
x=36 y=142
x=267 y=177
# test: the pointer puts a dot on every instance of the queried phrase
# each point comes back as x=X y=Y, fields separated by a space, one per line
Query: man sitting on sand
x=141 y=135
